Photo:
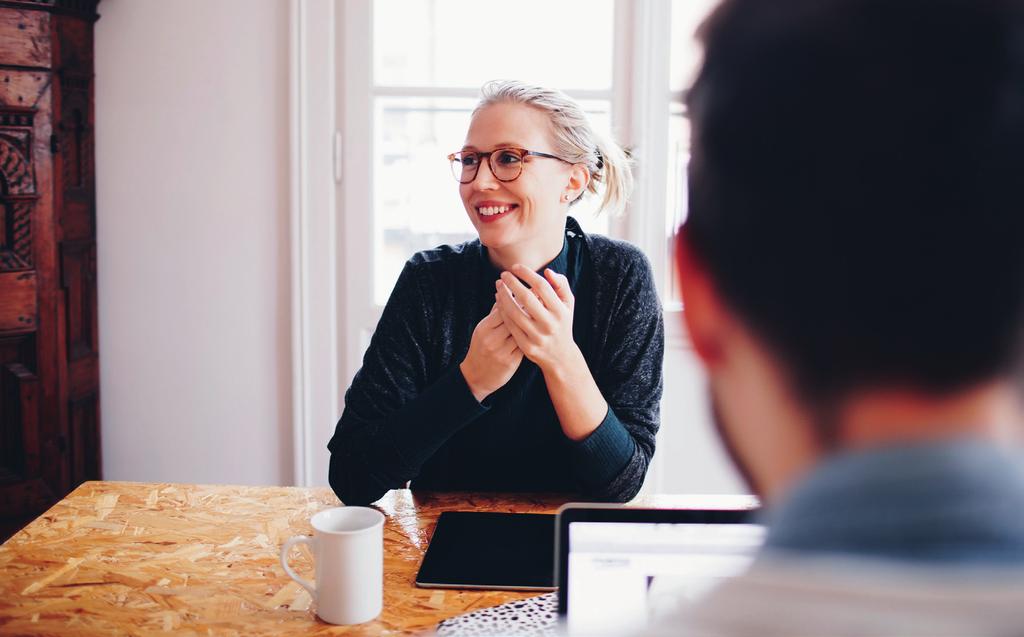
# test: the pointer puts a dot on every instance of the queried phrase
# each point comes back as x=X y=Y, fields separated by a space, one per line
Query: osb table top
x=138 y=558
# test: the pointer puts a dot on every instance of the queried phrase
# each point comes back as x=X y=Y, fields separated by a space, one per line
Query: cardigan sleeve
x=395 y=418
x=612 y=462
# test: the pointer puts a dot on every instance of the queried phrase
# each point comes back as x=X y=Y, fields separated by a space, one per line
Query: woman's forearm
x=577 y=400
x=373 y=451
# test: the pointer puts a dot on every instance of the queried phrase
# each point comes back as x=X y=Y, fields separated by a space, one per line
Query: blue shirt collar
x=958 y=499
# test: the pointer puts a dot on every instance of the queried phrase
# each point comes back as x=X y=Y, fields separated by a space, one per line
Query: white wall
x=192 y=215
x=689 y=457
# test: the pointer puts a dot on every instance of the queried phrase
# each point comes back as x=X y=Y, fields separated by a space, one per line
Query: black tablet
x=506 y=551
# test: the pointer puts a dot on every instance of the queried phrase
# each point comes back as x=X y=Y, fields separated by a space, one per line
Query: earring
x=567 y=197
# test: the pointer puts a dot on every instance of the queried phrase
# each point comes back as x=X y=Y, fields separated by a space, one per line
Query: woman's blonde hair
x=575 y=139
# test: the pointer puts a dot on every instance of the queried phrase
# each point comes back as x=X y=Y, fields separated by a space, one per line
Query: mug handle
x=285 y=549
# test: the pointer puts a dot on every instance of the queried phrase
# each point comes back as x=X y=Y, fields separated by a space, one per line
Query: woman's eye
x=470 y=160
x=508 y=157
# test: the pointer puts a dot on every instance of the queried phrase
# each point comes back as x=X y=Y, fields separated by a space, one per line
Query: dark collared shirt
x=409 y=414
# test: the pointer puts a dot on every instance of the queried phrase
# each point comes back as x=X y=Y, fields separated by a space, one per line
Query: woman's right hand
x=493 y=356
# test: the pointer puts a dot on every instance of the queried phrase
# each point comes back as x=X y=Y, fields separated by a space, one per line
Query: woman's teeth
x=493 y=210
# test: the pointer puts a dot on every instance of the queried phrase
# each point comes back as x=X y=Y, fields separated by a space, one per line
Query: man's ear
x=704 y=314
x=579 y=179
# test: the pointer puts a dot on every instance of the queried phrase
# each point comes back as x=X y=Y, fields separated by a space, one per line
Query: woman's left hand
x=539 y=317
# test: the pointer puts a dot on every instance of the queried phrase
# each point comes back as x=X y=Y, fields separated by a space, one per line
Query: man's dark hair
x=857 y=186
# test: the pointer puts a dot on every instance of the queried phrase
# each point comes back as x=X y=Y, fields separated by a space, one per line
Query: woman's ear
x=579 y=179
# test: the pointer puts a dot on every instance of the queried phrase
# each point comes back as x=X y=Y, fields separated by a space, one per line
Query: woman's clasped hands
x=534 y=321
x=538 y=317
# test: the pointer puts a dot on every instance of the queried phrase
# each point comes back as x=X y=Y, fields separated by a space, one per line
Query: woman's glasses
x=506 y=163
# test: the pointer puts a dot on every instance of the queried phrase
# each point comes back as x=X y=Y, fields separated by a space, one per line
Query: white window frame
x=331 y=133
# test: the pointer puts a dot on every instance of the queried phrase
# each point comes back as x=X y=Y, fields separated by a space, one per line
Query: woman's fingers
x=511 y=312
x=505 y=344
x=519 y=325
x=493 y=318
x=518 y=333
x=525 y=297
x=538 y=285
x=511 y=346
x=502 y=332
x=560 y=286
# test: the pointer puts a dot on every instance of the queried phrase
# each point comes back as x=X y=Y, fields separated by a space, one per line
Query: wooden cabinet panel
x=49 y=352
x=17 y=301
x=25 y=38
x=78 y=270
x=84 y=439
x=22 y=89
x=19 y=431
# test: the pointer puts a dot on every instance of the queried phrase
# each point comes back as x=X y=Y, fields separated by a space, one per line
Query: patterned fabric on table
x=536 y=616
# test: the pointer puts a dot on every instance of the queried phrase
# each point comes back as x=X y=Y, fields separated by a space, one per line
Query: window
x=685 y=55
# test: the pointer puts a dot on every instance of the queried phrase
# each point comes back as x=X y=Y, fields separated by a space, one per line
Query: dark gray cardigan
x=409 y=414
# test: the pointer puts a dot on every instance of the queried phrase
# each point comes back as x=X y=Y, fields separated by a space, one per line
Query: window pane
x=464 y=43
x=678 y=158
x=415 y=198
x=686 y=54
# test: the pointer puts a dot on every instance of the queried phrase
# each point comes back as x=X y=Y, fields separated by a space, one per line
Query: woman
x=529 y=359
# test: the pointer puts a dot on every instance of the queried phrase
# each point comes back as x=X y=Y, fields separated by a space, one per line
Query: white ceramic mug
x=348 y=556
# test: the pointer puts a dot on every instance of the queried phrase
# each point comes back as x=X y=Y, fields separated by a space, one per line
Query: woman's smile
x=490 y=211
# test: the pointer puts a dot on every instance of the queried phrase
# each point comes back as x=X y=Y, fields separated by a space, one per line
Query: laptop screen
x=623 y=575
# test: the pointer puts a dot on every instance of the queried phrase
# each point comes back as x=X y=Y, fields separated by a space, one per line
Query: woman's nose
x=485 y=179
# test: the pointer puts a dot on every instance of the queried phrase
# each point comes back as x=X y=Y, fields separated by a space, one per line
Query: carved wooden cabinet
x=49 y=361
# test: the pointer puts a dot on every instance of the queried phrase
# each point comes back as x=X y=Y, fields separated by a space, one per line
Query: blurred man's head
x=853 y=259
